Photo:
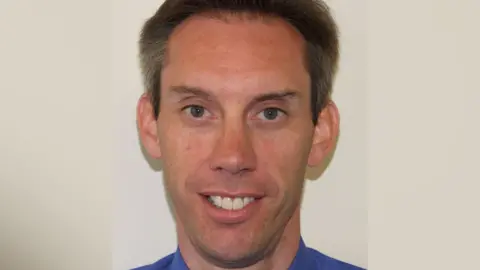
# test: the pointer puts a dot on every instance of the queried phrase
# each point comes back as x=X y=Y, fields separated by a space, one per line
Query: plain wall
x=55 y=115
x=67 y=81
x=423 y=134
x=334 y=212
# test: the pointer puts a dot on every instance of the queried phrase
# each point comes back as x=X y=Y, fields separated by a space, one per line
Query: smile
x=231 y=209
x=228 y=203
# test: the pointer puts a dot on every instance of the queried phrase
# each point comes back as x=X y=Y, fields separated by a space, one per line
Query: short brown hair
x=310 y=17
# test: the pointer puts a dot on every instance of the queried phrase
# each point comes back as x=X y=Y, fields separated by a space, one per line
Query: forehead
x=236 y=55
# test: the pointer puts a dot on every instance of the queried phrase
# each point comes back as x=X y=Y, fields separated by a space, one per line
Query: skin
x=232 y=140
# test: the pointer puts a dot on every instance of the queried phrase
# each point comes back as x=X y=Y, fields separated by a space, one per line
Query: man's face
x=235 y=133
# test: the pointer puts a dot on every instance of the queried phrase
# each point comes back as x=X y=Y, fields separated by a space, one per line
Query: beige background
x=68 y=81
x=55 y=155
x=423 y=133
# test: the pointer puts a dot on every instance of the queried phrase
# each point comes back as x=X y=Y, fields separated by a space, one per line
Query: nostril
x=233 y=170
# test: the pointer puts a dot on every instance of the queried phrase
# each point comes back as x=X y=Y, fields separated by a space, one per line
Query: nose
x=233 y=152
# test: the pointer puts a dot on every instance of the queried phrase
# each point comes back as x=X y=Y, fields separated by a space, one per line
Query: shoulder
x=163 y=264
x=326 y=262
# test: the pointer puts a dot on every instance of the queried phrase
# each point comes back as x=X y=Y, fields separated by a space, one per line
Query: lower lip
x=230 y=217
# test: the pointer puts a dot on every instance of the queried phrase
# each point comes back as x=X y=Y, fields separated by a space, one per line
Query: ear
x=325 y=134
x=147 y=126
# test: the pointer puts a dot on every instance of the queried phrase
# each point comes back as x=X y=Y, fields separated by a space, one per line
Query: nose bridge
x=233 y=151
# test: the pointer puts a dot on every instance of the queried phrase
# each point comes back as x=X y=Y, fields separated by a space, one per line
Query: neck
x=281 y=258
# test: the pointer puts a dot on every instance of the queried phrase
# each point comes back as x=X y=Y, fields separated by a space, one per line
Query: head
x=237 y=105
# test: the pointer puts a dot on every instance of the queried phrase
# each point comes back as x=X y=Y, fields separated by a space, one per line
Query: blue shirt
x=306 y=259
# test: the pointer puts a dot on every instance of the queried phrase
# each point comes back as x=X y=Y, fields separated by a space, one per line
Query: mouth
x=230 y=209
x=230 y=203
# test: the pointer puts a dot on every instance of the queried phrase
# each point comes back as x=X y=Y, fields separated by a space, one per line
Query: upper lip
x=242 y=194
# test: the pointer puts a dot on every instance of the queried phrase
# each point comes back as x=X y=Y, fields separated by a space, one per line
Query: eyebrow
x=203 y=93
x=280 y=95
x=191 y=91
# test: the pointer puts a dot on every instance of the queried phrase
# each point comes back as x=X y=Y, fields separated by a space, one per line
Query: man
x=237 y=104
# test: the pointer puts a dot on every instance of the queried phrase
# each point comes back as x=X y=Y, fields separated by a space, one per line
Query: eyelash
x=273 y=108
x=268 y=108
x=192 y=106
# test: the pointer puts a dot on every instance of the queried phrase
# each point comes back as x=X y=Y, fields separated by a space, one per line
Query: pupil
x=197 y=111
x=271 y=114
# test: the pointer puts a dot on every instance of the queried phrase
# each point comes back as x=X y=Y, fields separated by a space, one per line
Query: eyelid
x=191 y=105
x=264 y=108
x=275 y=108
x=207 y=112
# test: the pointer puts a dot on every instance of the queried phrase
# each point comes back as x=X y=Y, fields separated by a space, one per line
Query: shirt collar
x=301 y=260
x=178 y=263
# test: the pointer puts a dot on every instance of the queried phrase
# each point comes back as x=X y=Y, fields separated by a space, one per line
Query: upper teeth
x=230 y=203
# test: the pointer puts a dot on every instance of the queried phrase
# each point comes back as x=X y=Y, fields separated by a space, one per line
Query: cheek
x=285 y=147
x=184 y=152
x=284 y=155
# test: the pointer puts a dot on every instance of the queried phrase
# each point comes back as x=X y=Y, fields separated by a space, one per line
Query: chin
x=232 y=256
x=229 y=247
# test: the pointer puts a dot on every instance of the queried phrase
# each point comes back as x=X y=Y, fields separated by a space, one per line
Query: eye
x=195 y=111
x=271 y=114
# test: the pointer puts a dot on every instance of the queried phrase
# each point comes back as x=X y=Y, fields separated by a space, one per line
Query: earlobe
x=147 y=127
x=325 y=134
